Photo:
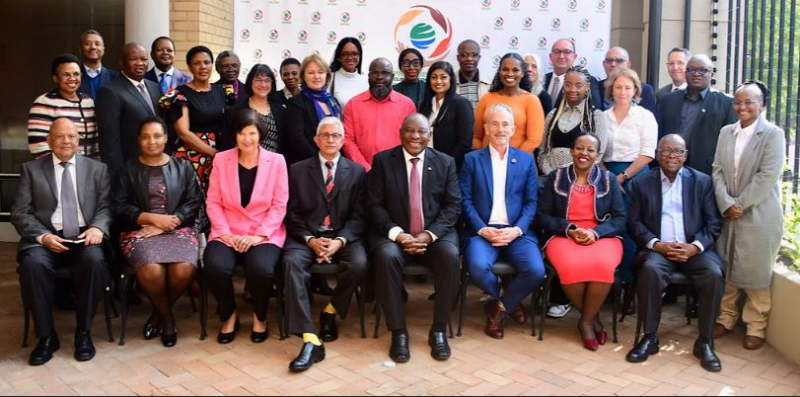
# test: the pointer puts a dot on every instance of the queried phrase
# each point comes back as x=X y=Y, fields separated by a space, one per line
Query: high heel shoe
x=588 y=344
x=259 y=337
x=225 y=338
x=169 y=335
x=602 y=335
x=150 y=331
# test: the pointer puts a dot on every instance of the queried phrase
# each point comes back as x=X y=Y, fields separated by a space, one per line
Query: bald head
x=616 y=57
x=672 y=140
x=63 y=138
x=699 y=72
x=380 y=75
x=133 y=61
x=562 y=55
x=671 y=155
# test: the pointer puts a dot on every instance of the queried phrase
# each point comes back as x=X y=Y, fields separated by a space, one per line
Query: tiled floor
x=519 y=364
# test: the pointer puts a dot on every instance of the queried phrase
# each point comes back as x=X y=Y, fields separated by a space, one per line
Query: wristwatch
x=625 y=176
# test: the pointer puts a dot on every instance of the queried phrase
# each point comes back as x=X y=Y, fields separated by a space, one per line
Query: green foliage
x=790 y=246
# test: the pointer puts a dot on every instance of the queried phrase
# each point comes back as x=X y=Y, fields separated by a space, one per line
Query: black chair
x=674 y=278
x=63 y=272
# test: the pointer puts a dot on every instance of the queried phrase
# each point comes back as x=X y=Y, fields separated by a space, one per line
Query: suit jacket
x=178 y=78
x=716 y=113
x=228 y=138
x=244 y=91
x=37 y=198
x=453 y=127
x=120 y=109
x=522 y=190
x=701 y=219
x=388 y=195
x=308 y=202
x=301 y=127
x=597 y=97
x=663 y=91
x=106 y=75
x=647 y=100
x=267 y=208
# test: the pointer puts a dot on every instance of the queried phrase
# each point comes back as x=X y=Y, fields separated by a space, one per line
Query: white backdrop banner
x=268 y=31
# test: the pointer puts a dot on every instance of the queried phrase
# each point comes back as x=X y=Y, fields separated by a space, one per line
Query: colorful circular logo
x=513 y=41
x=527 y=23
x=286 y=54
x=583 y=61
x=273 y=35
x=345 y=18
x=287 y=16
x=584 y=24
x=362 y=1
x=496 y=61
x=302 y=35
x=257 y=53
x=331 y=1
x=601 y=5
x=498 y=22
x=544 y=4
x=331 y=36
x=485 y=41
x=362 y=37
x=426 y=29
x=556 y=23
x=245 y=34
x=316 y=16
x=599 y=44
x=572 y=4
x=515 y=3
x=486 y=3
x=258 y=15
x=542 y=42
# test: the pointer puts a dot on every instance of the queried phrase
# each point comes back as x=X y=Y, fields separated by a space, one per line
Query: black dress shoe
x=150 y=331
x=309 y=355
x=169 y=340
x=328 y=331
x=259 y=337
x=708 y=359
x=44 y=350
x=84 y=348
x=225 y=338
x=399 y=352
x=645 y=348
x=440 y=349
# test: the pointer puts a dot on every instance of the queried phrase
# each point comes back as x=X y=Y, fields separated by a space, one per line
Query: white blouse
x=636 y=135
x=346 y=85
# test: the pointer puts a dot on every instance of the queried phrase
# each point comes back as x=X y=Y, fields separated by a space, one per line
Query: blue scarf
x=322 y=96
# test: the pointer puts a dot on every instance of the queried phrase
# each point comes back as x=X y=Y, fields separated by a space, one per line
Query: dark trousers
x=654 y=270
x=36 y=270
x=297 y=261
x=259 y=264
x=388 y=260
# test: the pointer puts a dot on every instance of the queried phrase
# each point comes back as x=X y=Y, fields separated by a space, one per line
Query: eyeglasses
x=670 y=152
x=698 y=72
x=349 y=55
x=745 y=103
x=330 y=137
x=469 y=55
x=233 y=66
x=565 y=53
x=617 y=61
x=262 y=81
x=415 y=63
x=73 y=75
x=579 y=86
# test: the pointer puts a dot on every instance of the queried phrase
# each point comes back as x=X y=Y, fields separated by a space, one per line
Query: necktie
x=675 y=89
x=165 y=82
x=69 y=204
x=326 y=223
x=415 y=200
x=146 y=96
x=556 y=88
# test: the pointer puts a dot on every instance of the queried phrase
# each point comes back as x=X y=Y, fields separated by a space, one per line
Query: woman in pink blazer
x=246 y=204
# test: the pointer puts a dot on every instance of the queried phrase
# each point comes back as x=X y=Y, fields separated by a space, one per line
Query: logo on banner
x=257 y=54
x=527 y=23
x=361 y=3
x=426 y=29
x=332 y=2
x=486 y=4
x=515 y=4
x=584 y=25
x=542 y=42
x=331 y=36
x=302 y=36
x=555 y=23
x=316 y=17
x=273 y=35
x=544 y=4
x=286 y=16
x=513 y=42
x=601 y=5
x=245 y=34
x=499 y=22
x=258 y=15
x=582 y=61
x=345 y=18
x=599 y=44
x=485 y=41
x=286 y=54
x=496 y=61
x=572 y=5
x=362 y=37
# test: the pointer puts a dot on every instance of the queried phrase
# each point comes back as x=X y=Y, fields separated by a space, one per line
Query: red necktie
x=326 y=223
x=415 y=200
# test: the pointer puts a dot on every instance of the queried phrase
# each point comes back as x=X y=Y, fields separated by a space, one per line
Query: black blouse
x=247 y=180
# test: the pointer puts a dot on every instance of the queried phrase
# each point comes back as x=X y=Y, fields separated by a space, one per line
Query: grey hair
x=682 y=50
x=622 y=50
x=330 y=120
x=503 y=107
x=538 y=84
x=225 y=54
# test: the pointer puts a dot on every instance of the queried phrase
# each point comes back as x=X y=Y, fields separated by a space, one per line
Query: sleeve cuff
x=519 y=230
x=342 y=239
x=596 y=235
x=39 y=239
x=307 y=238
x=651 y=245
x=433 y=236
x=394 y=232
x=699 y=245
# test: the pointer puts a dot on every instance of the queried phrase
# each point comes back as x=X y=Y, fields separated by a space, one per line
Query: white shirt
x=672 y=227
x=679 y=87
x=322 y=161
x=57 y=219
x=636 y=135
x=743 y=136
x=436 y=106
x=134 y=82
x=499 y=214
x=397 y=230
x=346 y=85
x=93 y=72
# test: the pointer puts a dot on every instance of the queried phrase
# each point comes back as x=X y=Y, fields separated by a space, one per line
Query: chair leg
x=688 y=304
x=534 y=300
x=360 y=302
x=27 y=326
x=616 y=291
x=203 y=306
x=463 y=292
x=548 y=284
x=281 y=324
x=126 y=286
x=377 y=319
x=109 y=298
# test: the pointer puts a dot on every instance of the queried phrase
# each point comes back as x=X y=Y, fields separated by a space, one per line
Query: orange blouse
x=528 y=117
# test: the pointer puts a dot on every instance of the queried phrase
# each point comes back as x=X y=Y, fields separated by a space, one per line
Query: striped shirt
x=51 y=106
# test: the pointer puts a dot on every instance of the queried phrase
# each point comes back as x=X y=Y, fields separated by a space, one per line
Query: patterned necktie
x=556 y=88
x=69 y=204
x=146 y=96
x=326 y=223
x=415 y=200
x=165 y=82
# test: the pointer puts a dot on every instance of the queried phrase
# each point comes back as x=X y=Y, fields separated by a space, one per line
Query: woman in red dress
x=581 y=212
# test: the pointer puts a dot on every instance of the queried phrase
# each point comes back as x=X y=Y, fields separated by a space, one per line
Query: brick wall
x=200 y=22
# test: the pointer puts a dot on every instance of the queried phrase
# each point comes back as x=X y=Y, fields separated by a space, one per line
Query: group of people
x=348 y=170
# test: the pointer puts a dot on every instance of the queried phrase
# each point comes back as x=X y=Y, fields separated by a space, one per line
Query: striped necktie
x=326 y=223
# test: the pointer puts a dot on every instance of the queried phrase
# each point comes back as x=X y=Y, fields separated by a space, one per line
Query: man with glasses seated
x=697 y=114
x=373 y=117
x=618 y=57
x=562 y=57
x=675 y=222
x=470 y=85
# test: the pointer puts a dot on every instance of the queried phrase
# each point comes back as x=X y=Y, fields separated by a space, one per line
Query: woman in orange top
x=510 y=87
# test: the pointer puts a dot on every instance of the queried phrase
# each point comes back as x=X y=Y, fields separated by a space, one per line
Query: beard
x=380 y=92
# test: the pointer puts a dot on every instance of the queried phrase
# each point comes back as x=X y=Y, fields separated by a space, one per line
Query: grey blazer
x=36 y=198
x=749 y=245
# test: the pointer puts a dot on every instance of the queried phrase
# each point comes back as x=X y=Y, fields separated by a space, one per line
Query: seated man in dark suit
x=413 y=203
x=325 y=223
x=675 y=222
x=62 y=211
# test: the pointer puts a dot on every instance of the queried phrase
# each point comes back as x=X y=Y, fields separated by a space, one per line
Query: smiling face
x=329 y=139
x=415 y=134
x=500 y=127
x=511 y=72
x=671 y=153
x=439 y=81
x=314 y=76
x=200 y=65
x=380 y=78
x=411 y=65
x=748 y=104
x=63 y=139
x=247 y=140
x=152 y=139
x=163 y=55
x=585 y=152
x=349 y=57
x=469 y=54
x=676 y=67
x=532 y=68
x=134 y=61
x=261 y=86
x=229 y=68
x=575 y=88
x=290 y=74
x=92 y=48
x=562 y=56
x=68 y=79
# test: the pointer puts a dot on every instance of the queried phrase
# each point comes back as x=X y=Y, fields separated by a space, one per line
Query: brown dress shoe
x=753 y=342
x=720 y=331
x=519 y=315
x=494 y=320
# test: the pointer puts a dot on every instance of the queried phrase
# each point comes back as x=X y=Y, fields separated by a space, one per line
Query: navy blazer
x=647 y=100
x=178 y=78
x=522 y=190
x=701 y=219
x=106 y=75
x=609 y=207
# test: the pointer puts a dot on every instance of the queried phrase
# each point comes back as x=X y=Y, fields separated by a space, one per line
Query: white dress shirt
x=134 y=82
x=57 y=219
x=93 y=72
x=322 y=161
x=679 y=87
x=636 y=135
x=169 y=73
x=436 y=106
x=499 y=214
x=397 y=230
x=672 y=227
x=743 y=136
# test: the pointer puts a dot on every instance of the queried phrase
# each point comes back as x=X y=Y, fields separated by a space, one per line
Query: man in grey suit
x=62 y=211
x=164 y=73
x=122 y=105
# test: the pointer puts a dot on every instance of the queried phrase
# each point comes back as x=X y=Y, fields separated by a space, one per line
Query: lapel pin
x=513 y=161
x=430 y=169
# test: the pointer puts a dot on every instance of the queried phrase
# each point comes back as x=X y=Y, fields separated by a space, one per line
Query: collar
x=747 y=131
x=134 y=82
x=703 y=92
x=323 y=160
x=98 y=70
x=680 y=87
x=408 y=156
x=72 y=161
x=350 y=75
x=169 y=72
x=664 y=178
x=392 y=97
x=599 y=179
x=463 y=80
x=578 y=107
x=496 y=155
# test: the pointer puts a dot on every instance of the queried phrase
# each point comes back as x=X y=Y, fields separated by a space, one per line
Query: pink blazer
x=267 y=208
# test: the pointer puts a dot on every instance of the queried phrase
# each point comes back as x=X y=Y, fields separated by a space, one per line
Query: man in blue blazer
x=499 y=192
x=164 y=73
x=675 y=222
x=94 y=75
